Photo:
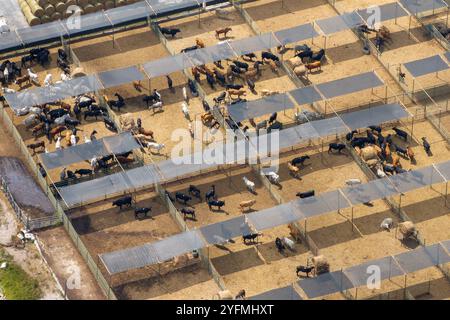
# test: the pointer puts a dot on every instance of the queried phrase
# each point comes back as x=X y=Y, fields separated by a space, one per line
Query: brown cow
x=58 y=130
x=317 y=65
x=37 y=145
x=199 y=43
x=223 y=31
x=238 y=93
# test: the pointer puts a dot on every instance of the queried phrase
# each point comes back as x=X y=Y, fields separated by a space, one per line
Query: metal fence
x=29 y=223
x=60 y=214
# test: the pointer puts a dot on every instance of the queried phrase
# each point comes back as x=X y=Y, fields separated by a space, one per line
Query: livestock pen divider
x=58 y=208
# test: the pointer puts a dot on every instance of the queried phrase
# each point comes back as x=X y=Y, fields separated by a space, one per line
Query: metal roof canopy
x=296 y=34
x=418 y=6
x=447 y=56
x=285 y=293
x=422 y=258
x=351 y=84
x=252 y=109
x=116 y=144
x=275 y=216
x=167 y=65
x=42 y=95
x=325 y=284
x=339 y=23
x=210 y=54
x=129 y=259
x=117 y=77
x=306 y=95
x=388 y=11
x=416 y=179
x=130 y=12
x=359 y=275
x=254 y=44
x=219 y=233
x=374 y=115
x=426 y=66
x=178 y=244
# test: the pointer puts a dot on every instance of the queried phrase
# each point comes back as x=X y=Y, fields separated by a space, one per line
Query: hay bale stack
x=83 y=3
x=109 y=4
x=45 y=19
x=89 y=8
x=49 y=10
x=36 y=9
x=71 y=3
x=407 y=229
x=56 y=16
x=42 y=3
x=53 y=2
x=321 y=264
x=60 y=7
x=78 y=72
x=29 y=16
x=99 y=6
x=120 y=3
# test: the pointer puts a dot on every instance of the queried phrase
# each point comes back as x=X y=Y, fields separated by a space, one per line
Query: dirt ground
x=230 y=188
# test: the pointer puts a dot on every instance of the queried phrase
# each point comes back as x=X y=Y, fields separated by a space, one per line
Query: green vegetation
x=15 y=283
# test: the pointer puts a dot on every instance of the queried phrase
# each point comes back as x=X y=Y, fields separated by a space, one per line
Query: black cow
x=306 y=194
x=181 y=197
x=194 y=191
x=122 y=202
x=141 y=212
x=304 y=269
x=188 y=212
x=299 y=160
x=401 y=133
x=169 y=31
x=216 y=203
x=336 y=146
x=83 y=172
x=250 y=237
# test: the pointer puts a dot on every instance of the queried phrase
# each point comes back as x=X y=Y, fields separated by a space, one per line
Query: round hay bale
x=89 y=8
x=78 y=72
x=49 y=10
x=109 y=4
x=56 y=16
x=407 y=228
x=60 y=7
x=321 y=264
x=83 y=3
x=71 y=3
x=223 y=295
x=120 y=3
x=94 y=2
x=31 y=18
x=42 y=3
x=368 y=153
x=45 y=19
x=53 y=2
x=99 y=6
x=36 y=9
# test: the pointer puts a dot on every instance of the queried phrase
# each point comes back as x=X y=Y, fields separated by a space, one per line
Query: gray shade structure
x=370 y=191
x=389 y=267
x=256 y=108
x=340 y=23
x=293 y=211
x=254 y=44
x=419 y=6
x=306 y=95
x=178 y=244
x=94 y=21
x=416 y=179
x=132 y=12
x=351 y=84
x=117 y=77
x=285 y=293
x=117 y=144
x=444 y=169
x=9 y=40
x=167 y=65
x=374 y=116
x=447 y=56
x=325 y=284
x=422 y=258
x=388 y=11
x=133 y=258
x=359 y=275
x=42 y=32
x=275 y=216
x=221 y=232
x=162 y=6
x=296 y=34
x=42 y=95
x=210 y=54
x=426 y=66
